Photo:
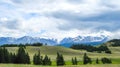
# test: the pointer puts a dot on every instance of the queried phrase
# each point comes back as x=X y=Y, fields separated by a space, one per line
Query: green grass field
x=68 y=54
x=93 y=65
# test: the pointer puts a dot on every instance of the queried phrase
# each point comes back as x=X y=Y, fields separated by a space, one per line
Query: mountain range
x=88 y=40
x=67 y=42
x=26 y=39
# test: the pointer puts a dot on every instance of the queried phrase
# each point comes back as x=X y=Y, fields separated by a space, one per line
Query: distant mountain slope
x=26 y=39
x=67 y=42
x=91 y=40
x=113 y=42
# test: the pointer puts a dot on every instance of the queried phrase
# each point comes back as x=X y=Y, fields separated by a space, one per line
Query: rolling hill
x=68 y=53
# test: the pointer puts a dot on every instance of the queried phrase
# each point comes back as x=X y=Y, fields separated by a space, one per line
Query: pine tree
x=46 y=60
x=10 y=55
x=27 y=58
x=6 y=55
x=37 y=59
x=86 y=59
x=60 y=60
x=74 y=61
x=22 y=57
x=50 y=62
x=14 y=58
x=2 y=60
x=106 y=60
x=97 y=61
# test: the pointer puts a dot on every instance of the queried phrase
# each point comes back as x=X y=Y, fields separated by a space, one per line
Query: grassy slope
x=69 y=53
x=99 y=65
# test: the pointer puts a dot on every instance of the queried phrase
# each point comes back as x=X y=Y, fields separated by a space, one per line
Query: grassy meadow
x=68 y=54
x=92 y=65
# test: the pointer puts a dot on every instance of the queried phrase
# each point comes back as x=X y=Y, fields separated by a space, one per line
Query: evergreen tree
x=86 y=59
x=74 y=61
x=22 y=57
x=108 y=51
x=27 y=58
x=2 y=59
x=13 y=58
x=46 y=60
x=97 y=61
x=106 y=60
x=50 y=62
x=6 y=55
x=37 y=59
x=60 y=60
x=10 y=55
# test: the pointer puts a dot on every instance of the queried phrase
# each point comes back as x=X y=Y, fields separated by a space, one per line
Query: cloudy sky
x=59 y=18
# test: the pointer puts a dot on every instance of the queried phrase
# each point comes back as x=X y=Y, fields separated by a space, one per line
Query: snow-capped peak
x=84 y=40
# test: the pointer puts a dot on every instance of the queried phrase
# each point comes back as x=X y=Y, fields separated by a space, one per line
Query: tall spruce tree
x=97 y=61
x=60 y=60
x=6 y=55
x=37 y=59
x=74 y=61
x=22 y=57
x=2 y=59
x=27 y=58
x=86 y=59
x=50 y=62
x=46 y=60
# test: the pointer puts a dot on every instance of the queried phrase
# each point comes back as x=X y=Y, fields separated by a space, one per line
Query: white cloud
x=34 y=18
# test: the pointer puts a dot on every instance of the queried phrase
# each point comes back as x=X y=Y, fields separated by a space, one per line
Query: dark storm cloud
x=105 y=21
x=10 y=24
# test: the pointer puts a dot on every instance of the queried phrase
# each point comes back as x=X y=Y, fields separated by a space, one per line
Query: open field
x=68 y=54
x=99 y=65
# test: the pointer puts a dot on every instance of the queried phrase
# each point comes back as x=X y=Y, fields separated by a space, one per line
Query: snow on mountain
x=92 y=40
x=67 y=42
x=26 y=39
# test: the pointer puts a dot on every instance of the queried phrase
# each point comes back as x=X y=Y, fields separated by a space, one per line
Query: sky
x=59 y=18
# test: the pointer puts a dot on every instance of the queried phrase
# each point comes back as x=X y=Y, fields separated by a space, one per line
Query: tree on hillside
x=2 y=59
x=4 y=55
x=106 y=61
x=108 y=51
x=12 y=57
x=37 y=44
x=37 y=59
x=27 y=58
x=74 y=61
x=60 y=60
x=97 y=61
x=46 y=60
x=22 y=57
x=86 y=59
x=91 y=48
